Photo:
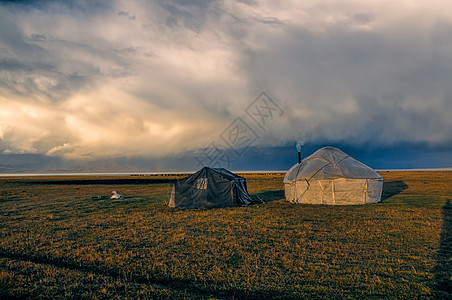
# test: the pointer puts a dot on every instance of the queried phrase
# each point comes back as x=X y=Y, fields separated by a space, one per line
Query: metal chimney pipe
x=299 y=157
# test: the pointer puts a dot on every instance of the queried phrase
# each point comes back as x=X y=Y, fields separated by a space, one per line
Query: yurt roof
x=329 y=163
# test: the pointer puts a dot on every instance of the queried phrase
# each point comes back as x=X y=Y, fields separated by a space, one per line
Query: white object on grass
x=116 y=195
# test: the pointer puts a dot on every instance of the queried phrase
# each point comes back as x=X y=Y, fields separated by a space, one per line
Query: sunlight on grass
x=72 y=240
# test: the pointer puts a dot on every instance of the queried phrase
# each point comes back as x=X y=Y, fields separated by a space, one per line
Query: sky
x=173 y=85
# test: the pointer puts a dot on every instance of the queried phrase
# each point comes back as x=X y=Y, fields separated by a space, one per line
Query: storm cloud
x=89 y=80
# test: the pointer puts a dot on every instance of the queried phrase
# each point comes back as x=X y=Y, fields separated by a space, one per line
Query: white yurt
x=329 y=176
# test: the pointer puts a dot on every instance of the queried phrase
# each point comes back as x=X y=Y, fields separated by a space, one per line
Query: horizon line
x=167 y=173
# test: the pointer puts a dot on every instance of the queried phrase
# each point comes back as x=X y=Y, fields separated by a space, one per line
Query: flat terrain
x=62 y=237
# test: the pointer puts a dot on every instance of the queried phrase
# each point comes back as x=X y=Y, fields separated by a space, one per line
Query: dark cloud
x=371 y=77
x=190 y=14
x=126 y=14
x=54 y=66
x=90 y=7
x=363 y=18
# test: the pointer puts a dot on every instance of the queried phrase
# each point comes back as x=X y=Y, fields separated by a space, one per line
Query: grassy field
x=63 y=237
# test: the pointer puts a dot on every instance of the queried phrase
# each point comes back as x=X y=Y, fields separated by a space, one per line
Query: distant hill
x=100 y=167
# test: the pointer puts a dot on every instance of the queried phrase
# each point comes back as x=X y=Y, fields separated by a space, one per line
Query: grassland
x=64 y=238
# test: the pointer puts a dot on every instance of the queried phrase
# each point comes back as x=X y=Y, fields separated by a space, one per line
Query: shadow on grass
x=195 y=289
x=443 y=267
x=392 y=188
x=268 y=196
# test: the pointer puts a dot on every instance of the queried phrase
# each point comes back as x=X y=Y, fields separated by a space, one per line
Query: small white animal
x=116 y=195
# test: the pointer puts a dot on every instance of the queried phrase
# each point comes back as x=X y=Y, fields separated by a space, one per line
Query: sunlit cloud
x=159 y=78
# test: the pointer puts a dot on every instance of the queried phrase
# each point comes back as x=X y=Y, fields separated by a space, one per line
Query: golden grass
x=60 y=239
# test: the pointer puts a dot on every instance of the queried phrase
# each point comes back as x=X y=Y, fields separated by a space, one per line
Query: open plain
x=63 y=237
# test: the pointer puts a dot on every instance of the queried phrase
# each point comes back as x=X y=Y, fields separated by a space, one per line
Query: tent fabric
x=330 y=176
x=210 y=188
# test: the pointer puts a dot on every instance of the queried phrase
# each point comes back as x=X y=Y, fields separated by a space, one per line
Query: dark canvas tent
x=210 y=187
